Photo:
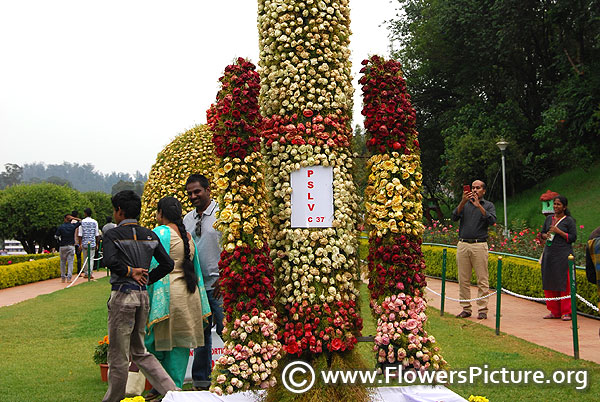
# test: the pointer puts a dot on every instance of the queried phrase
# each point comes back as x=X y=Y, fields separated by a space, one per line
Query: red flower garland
x=389 y=115
x=396 y=265
x=246 y=269
x=307 y=128
x=319 y=327
x=246 y=280
x=235 y=119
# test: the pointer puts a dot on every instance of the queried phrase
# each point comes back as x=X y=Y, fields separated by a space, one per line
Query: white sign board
x=217 y=351
x=312 y=197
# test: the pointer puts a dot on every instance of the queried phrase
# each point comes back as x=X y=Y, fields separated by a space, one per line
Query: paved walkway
x=521 y=318
x=18 y=294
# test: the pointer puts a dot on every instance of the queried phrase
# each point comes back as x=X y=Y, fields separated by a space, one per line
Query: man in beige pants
x=475 y=215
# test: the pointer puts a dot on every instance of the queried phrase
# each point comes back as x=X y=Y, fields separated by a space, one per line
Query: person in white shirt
x=88 y=234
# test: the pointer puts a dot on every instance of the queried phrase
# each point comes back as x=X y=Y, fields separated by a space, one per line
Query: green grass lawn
x=46 y=347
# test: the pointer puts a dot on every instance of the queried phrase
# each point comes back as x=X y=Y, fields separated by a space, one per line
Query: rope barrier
x=536 y=298
x=496 y=252
x=461 y=300
x=542 y=299
x=78 y=274
x=589 y=304
x=539 y=299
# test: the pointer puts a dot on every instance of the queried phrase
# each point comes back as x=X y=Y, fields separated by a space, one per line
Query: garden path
x=523 y=319
x=18 y=294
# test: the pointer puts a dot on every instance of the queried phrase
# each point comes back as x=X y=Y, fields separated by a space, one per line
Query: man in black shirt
x=75 y=215
x=475 y=214
x=128 y=251
x=66 y=245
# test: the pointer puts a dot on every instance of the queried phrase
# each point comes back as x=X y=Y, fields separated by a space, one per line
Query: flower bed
x=17 y=258
x=29 y=272
x=394 y=214
x=251 y=349
x=525 y=241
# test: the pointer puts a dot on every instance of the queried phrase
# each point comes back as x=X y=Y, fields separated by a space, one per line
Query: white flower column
x=306 y=99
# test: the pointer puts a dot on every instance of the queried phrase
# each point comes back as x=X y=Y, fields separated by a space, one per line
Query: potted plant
x=101 y=357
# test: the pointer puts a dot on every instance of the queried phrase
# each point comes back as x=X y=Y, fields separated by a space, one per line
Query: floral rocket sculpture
x=251 y=348
x=394 y=212
x=190 y=152
x=305 y=97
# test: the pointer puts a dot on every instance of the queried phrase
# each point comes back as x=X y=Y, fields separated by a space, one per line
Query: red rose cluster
x=235 y=119
x=246 y=280
x=389 y=115
x=308 y=128
x=396 y=265
x=318 y=327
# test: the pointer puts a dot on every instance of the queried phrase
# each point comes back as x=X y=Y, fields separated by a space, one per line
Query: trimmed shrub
x=518 y=275
x=15 y=259
x=29 y=271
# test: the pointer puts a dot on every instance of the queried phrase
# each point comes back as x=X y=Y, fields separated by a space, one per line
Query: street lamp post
x=502 y=145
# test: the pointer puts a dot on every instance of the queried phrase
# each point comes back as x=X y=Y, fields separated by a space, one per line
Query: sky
x=112 y=82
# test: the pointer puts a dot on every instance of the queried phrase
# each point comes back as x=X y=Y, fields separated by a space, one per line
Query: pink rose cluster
x=401 y=337
x=249 y=364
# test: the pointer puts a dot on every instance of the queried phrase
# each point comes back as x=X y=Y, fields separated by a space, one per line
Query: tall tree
x=12 y=175
x=30 y=213
x=137 y=187
x=82 y=177
x=100 y=205
x=527 y=71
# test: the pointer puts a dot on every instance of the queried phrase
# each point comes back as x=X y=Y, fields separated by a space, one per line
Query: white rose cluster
x=311 y=261
x=304 y=56
x=306 y=95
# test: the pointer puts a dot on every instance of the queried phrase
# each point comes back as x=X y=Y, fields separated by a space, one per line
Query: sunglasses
x=199 y=226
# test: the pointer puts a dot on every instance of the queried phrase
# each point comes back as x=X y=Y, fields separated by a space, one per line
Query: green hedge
x=29 y=271
x=4 y=259
x=518 y=275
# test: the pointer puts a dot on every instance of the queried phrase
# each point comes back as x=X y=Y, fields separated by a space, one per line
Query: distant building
x=14 y=247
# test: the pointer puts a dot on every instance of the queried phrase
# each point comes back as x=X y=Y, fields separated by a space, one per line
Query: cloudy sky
x=112 y=82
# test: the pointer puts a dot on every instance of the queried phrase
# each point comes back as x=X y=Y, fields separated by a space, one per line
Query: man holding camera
x=475 y=215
